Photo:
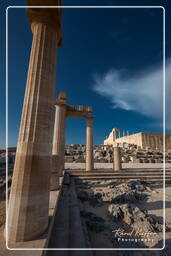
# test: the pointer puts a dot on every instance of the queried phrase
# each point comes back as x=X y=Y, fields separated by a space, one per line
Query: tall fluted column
x=58 y=148
x=29 y=197
x=117 y=158
x=89 y=145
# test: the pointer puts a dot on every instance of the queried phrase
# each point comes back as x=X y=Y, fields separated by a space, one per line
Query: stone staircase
x=155 y=176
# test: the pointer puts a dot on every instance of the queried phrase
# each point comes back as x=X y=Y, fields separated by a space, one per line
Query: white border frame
x=164 y=61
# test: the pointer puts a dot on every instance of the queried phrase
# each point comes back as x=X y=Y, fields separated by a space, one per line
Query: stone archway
x=63 y=111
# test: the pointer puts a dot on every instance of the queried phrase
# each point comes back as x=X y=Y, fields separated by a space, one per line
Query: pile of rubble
x=3 y=186
x=131 y=191
x=135 y=217
x=104 y=154
x=11 y=160
x=123 y=201
x=114 y=192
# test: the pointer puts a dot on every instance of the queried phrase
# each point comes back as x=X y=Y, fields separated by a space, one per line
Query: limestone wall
x=155 y=140
x=142 y=139
x=110 y=139
x=131 y=139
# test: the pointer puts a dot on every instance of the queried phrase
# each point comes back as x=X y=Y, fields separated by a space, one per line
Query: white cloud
x=142 y=92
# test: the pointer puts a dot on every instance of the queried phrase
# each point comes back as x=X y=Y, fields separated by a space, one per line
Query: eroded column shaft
x=58 y=148
x=117 y=158
x=29 y=197
x=89 y=145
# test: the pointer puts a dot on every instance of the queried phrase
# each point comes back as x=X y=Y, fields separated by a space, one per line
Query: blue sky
x=111 y=59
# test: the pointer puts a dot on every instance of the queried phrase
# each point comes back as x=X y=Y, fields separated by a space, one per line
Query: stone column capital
x=47 y=16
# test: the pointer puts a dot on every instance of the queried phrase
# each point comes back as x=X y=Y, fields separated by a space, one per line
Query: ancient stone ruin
x=53 y=208
x=141 y=139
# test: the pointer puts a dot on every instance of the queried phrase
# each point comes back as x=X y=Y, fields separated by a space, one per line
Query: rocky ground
x=102 y=154
x=121 y=214
x=115 y=210
x=3 y=196
x=2 y=212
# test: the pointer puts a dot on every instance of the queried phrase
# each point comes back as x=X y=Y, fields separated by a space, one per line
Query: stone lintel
x=78 y=114
x=48 y=16
x=87 y=109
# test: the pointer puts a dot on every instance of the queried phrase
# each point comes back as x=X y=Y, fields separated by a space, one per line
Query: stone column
x=156 y=142
x=114 y=135
x=117 y=158
x=89 y=145
x=58 y=148
x=123 y=133
x=29 y=197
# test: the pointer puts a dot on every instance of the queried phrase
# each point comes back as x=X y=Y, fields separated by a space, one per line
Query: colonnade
x=38 y=156
x=63 y=111
x=152 y=140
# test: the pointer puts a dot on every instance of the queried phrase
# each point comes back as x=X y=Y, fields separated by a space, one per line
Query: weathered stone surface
x=125 y=192
x=89 y=145
x=135 y=217
x=115 y=212
x=141 y=140
x=137 y=185
x=58 y=146
x=29 y=197
x=117 y=159
x=129 y=197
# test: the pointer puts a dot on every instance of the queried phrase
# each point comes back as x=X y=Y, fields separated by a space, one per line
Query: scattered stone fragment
x=130 y=197
x=137 y=184
x=115 y=212
x=95 y=200
x=135 y=217
x=125 y=192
